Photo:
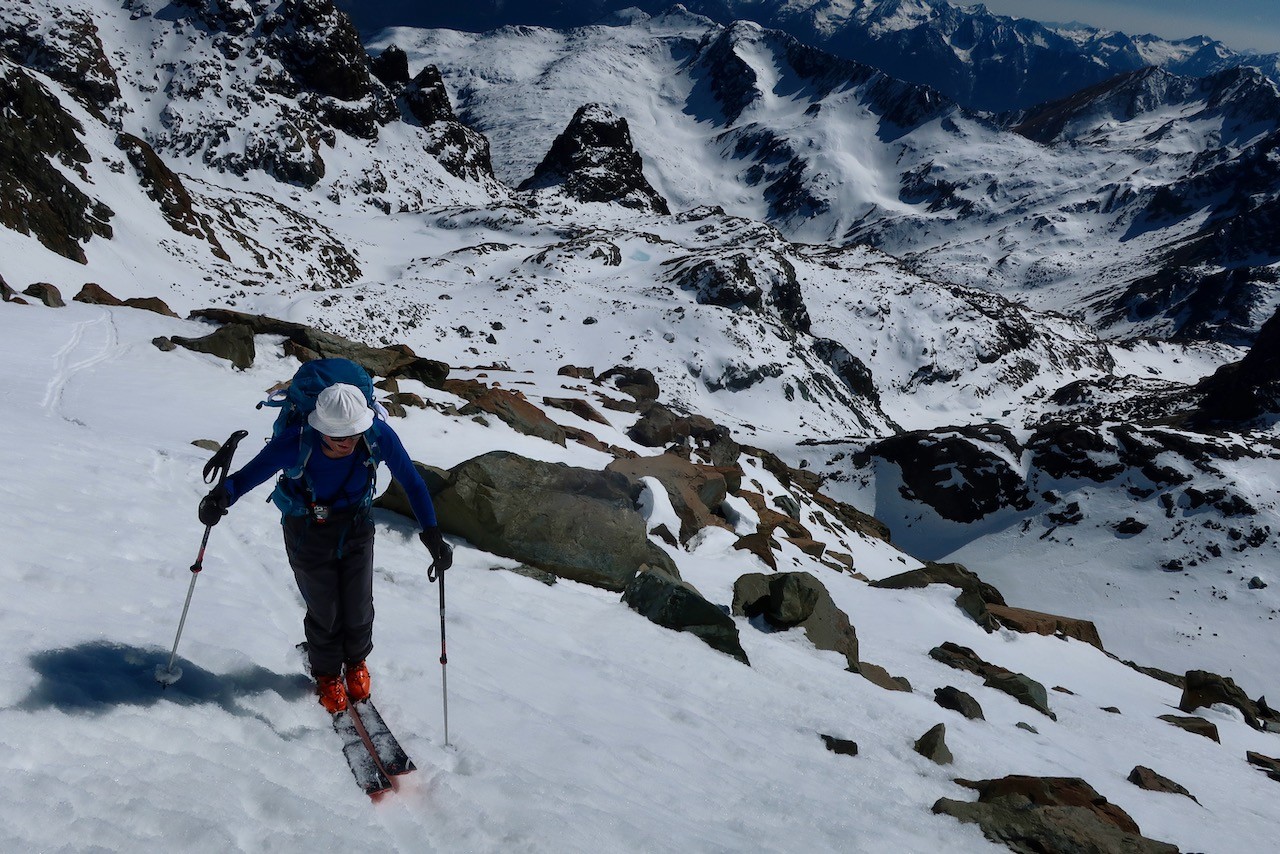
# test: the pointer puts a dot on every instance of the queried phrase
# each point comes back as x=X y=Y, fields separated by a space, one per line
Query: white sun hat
x=341 y=410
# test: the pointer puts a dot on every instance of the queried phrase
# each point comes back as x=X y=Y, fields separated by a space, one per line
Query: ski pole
x=216 y=469
x=435 y=575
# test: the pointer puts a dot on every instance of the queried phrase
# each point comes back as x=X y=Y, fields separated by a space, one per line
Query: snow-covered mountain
x=982 y=60
x=629 y=250
x=1141 y=204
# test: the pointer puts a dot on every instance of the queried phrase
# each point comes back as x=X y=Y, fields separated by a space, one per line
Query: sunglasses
x=341 y=438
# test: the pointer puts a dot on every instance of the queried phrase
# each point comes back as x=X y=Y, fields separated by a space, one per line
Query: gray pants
x=333 y=566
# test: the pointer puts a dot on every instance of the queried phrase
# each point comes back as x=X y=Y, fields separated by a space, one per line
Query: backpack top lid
x=299 y=399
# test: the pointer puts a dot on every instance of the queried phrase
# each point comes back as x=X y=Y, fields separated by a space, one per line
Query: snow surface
x=576 y=724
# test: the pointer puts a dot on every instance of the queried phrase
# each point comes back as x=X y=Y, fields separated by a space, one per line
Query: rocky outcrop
x=1021 y=687
x=575 y=523
x=1144 y=778
x=797 y=600
x=695 y=491
x=458 y=148
x=760 y=279
x=1245 y=390
x=510 y=407
x=306 y=343
x=1203 y=689
x=1033 y=815
x=1194 y=725
x=67 y=48
x=675 y=604
x=36 y=197
x=233 y=342
x=166 y=189
x=1052 y=625
x=593 y=160
x=963 y=473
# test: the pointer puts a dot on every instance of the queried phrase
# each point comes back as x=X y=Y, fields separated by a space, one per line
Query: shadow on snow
x=94 y=678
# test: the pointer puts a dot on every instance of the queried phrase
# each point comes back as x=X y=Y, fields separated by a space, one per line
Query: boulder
x=47 y=294
x=1021 y=687
x=676 y=604
x=1203 y=689
x=575 y=523
x=1268 y=764
x=695 y=491
x=1192 y=724
x=1144 y=778
x=578 y=407
x=7 y=294
x=760 y=545
x=933 y=745
x=877 y=675
x=840 y=746
x=958 y=701
x=954 y=574
x=510 y=407
x=307 y=343
x=95 y=294
x=797 y=599
x=152 y=304
x=637 y=382
x=1035 y=622
x=233 y=342
x=1042 y=814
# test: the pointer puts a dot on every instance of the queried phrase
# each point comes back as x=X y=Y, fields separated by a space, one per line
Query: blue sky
x=1240 y=24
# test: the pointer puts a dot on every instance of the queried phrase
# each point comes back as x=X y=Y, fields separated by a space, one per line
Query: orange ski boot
x=358 y=682
x=333 y=696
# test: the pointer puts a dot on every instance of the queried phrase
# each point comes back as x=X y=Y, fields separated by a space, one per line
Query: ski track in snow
x=99 y=338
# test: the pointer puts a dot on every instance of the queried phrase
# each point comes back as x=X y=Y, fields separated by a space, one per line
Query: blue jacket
x=337 y=483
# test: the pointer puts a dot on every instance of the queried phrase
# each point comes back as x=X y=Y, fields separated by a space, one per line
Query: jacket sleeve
x=403 y=470
x=277 y=454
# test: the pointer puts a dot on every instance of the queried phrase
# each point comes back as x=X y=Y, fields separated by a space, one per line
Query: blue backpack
x=293 y=493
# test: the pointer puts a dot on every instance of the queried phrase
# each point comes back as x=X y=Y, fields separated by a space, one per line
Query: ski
x=391 y=756
x=362 y=761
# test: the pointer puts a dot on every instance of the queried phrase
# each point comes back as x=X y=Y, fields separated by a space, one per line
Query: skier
x=328 y=534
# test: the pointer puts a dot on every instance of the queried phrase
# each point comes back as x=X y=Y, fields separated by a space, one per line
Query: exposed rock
x=955 y=574
x=166 y=189
x=426 y=96
x=528 y=572
x=578 y=524
x=958 y=471
x=760 y=545
x=1198 y=726
x=593 y=160
x=1035 y=622
x=1268 y=764
x=1144 y=778
x=512 y=407
x=46 y=293
x=877 y=675
x=1033 y=815
x=578 y=407
x=321 y=48
x=164 y=345
x=1244 y=390
x=637 y=382
x=1257 y=583
x=94 y=294
x=958 y=701
x=1130 y=526
x=67 y=48
x=676 y=604
x=233 y=342
x=695 y=491
x=1203 y=689
x=391 y=66
x=797 y=599
x=933 y=745
x=841 y=746
x=7 y=293
x=1021 y=687
x=578 y=373
x=395 y=361
x=152 y=304
x=1028 y=727
x=36 y=197
x=756 y=279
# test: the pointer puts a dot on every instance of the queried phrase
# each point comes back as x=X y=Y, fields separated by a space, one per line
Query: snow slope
x=576 y=724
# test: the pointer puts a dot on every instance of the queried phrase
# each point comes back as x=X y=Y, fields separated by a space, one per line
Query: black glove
x=440 y=551
x=214 y=505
